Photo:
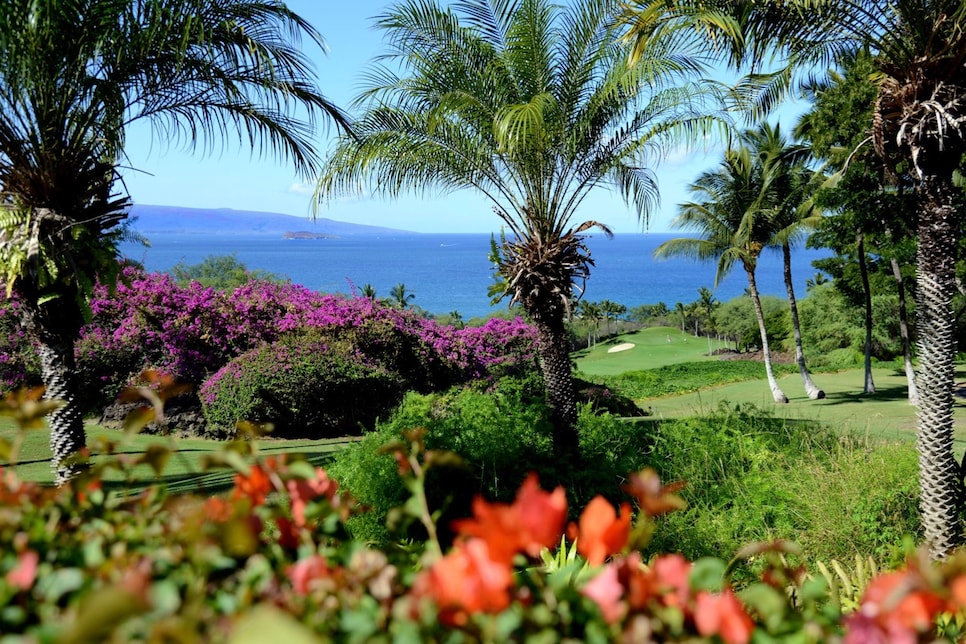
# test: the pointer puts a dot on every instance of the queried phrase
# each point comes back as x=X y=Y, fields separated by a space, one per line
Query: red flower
x=466 y=581
x=534 y=521
x=23 y=575
x=302 y=491
x=254 y=486
x=601 y=531
x=606 y=590
x=899 y=606
x=723 y=615
x=672 y=576
x=304 y=573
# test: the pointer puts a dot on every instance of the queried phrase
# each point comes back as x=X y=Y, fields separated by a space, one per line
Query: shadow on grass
x=896 y=393
x=210 y=482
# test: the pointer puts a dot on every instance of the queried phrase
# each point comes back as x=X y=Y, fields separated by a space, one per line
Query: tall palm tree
x=532 y=104
x=792 y=216
x=730 y=214
x=73 y=75
x=919 y=120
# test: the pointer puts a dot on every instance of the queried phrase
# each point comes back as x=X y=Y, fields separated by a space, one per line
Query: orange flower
x=254 y=486
x=534 y=521
x=897 y=602
x=601 y=531
x=466 y=581
x=723 y=615
x=218 y=509
x=301 y=491
x=653 y=498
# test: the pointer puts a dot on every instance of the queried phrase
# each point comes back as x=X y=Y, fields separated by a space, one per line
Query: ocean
x=451 y=272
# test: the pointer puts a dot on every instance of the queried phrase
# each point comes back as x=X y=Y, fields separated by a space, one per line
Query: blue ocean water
x=448 y=272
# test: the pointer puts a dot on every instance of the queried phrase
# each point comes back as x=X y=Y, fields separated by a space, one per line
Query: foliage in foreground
x=751 y=476
x=272 y=559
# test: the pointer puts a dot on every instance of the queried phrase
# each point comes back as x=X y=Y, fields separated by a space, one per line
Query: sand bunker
x=621 y=347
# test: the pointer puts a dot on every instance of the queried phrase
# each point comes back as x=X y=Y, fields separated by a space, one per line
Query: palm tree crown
x=533 y=105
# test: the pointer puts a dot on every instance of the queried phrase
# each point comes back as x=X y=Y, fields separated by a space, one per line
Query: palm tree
x=532 y=104
x=730 y=215
x=919 y=120
x=706 y=305
x=591 y=311
x=400 y=297
x=792 y=216
x=368 y=291
x=73 y=75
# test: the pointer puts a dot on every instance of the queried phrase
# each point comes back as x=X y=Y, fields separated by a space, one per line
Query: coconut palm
x=400 y=297
x=74 y=74
x=919 y=120
x=730 y=214
x=792 y=217
x=532 y=104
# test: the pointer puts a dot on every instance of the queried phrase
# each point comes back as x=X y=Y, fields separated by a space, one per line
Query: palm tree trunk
x=904 y=332
x=939 y=476
x=776 y=391
x=552 y=349
x=67 y=436
x=54 y=326
x=814 y=393
x=869 y=387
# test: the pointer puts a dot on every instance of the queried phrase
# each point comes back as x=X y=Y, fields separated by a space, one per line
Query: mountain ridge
x=150 y=218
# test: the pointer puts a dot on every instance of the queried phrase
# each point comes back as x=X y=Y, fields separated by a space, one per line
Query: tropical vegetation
x=533 y=105
x=73 y=76
x=483 y=489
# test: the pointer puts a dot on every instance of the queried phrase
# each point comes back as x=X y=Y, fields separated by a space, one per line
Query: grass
x=651 y=350
x=885 y=414
x=185 y=470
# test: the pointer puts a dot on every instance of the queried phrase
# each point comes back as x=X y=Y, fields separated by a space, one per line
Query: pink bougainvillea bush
x=193 y=333
x=271 y=558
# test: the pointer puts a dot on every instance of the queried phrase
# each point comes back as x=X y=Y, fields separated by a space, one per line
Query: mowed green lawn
x=185 y=469
x=652 y=348
x=885 y=414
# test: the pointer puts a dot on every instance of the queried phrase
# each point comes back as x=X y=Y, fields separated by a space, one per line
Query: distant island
x=304 y=234
x=147 y=219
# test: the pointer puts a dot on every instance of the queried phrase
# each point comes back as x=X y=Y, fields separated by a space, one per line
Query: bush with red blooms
x=93 y=561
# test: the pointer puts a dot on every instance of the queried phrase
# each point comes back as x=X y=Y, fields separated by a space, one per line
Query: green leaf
x=101 y=612
x=708 y=573
x=770 y=604
x=268 y=624
x=6 y=450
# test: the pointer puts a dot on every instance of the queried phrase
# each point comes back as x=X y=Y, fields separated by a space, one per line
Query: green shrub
x=501 y=435
x=301 y=386
x=408 y=355
x=751 y=477
x=858 y=498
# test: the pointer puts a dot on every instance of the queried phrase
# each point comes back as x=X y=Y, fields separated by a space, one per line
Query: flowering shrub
x=19 y=365
x=149 y=320
x=270 y=558
x=189 y=331
x=301 y=386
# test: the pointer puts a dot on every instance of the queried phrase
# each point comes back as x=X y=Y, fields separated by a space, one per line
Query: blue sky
x=233 y=178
